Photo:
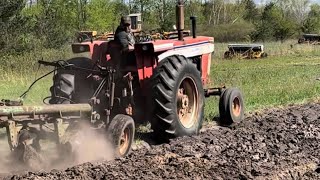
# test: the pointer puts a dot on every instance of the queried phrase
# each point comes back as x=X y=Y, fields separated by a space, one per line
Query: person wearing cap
x=123 y=34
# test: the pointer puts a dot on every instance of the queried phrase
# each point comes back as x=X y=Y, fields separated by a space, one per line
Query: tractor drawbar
x=213 y=91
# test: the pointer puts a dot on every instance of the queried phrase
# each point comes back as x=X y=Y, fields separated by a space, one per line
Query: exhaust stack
x=194 y=26
x=180 y=18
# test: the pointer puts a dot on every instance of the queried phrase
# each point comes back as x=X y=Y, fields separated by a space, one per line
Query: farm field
x=277 y=144
x=156 y=124
x=276 y=139
x=288 y=75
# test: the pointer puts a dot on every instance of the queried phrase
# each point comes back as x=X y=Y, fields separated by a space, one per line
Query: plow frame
x=15 y=117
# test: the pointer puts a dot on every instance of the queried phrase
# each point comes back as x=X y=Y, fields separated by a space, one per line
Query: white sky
x=264 y=1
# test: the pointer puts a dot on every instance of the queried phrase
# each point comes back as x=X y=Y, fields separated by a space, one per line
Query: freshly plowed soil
x=276 y=144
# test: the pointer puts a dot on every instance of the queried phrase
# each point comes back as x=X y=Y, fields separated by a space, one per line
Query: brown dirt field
x=276 y=144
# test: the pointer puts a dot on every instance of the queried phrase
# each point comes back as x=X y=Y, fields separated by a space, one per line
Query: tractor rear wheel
x=72 y=86
x=121 y=132
x=231 y=106
x=178 y=98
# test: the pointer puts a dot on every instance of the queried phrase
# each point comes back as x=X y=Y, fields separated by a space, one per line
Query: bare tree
x=297 y=9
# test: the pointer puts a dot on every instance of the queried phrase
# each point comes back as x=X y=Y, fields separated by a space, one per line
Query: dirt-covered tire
x=231 y=106
x=264 y=55
x=121 y=133
x=72 y=85
x=227 y=55
x=178 y=98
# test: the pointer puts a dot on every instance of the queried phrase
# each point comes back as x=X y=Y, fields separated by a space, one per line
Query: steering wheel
x=143 y=37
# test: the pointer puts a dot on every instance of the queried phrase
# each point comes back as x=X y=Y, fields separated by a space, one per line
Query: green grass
x=287 y=76
x=19 y=71
x=275 y=81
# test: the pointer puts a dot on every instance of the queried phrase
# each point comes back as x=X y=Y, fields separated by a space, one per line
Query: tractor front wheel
x=178 y=98
x=231 y=107
x=121 y=132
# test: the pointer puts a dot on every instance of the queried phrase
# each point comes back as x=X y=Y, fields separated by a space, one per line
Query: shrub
x=239 y=31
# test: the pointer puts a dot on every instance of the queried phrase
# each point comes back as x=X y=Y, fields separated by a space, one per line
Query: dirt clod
x=276 y=144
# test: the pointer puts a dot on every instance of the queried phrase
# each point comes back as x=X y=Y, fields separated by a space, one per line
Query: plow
x=163 y=82
x=60 y=120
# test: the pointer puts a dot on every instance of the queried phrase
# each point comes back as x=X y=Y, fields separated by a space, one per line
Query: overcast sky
x=263 y=1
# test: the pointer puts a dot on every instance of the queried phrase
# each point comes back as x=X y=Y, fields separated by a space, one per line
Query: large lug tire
x=72 y=86
x=121 y=132
x=231 y=106
x=178 y=99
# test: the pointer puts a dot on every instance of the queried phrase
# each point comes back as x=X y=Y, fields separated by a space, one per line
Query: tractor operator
x=125 y=41
x=123 y=34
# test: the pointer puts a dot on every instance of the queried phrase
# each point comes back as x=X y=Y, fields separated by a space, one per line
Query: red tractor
x=162 y=82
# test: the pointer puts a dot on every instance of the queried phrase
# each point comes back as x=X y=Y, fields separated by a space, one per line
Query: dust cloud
x=84 y=145
x=91 y=145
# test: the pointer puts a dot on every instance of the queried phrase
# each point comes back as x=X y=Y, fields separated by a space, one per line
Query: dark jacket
x=123 y=38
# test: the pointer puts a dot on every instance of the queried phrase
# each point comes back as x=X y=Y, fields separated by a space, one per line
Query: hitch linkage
x=213 y=91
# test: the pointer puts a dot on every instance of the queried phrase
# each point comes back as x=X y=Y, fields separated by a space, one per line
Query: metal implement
x=48 y=109
x=245 y=51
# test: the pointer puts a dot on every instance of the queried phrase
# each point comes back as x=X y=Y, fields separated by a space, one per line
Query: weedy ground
x=289 y=75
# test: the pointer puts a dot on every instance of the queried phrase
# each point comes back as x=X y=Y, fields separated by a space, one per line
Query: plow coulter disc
x=32 y=158
x=27 y=152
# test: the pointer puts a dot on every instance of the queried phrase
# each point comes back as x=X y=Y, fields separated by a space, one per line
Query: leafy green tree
x=194 y=8
x=312 y=23
x=251 y=12
x=274 y=25
x=10 y=8
x=165 y=10
x=57 y=21
x=100 y=15
x=11 y=22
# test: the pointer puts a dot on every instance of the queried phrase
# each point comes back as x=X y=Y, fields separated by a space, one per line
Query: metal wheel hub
x=124 y=141
x=236 y=107
x=187 y=102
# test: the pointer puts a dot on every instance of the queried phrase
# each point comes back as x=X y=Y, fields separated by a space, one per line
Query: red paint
x=204 y=68
x=146 y=61
x=177 y=43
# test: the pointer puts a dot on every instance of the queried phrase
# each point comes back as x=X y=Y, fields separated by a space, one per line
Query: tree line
x=31 y=24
